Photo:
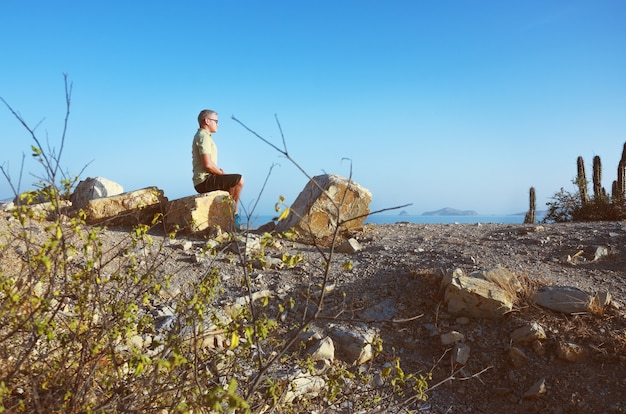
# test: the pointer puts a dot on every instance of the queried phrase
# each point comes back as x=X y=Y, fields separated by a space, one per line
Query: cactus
x=530 y=216
x=603 y=206
x=599 y=193
x=581 y=181
x=619 y=186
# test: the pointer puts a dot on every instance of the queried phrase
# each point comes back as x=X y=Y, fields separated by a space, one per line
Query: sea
x=420 y=219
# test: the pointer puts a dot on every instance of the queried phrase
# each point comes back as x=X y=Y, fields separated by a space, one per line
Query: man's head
x=207 y=119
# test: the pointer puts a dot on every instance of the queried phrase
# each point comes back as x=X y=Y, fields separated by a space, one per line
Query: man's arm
x=210 y=166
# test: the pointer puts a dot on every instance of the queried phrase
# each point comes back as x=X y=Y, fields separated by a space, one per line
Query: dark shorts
x=218 y=182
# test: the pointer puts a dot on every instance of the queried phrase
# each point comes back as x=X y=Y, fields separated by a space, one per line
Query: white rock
x=93 y=188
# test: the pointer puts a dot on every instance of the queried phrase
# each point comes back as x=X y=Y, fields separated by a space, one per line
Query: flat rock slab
x=131 y=208
x=564 y=299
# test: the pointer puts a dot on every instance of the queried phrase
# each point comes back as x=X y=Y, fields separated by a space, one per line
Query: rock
x=460 y=354
x=129 y=208
x=451 y=275
x=477 y=297
x=384 y=310
x=569 y=352
x=31 y=197
x=349 y=246
x=184 y=245
x=267 y=262
x=538 y=347
x=536 y=390
x=323 y=352
x=48 y=210
x=247 y=245
x=528 y=333
x=302 y=384
x=500 y=277
x=462 y=320
x=355 y=345
x=93 y=188
x=431 y=329
x=564 y=299
x=200 y=214
x=314 y=213
x=7 y=206
x=268 y=227
x=600 y=252
x=167 y=322
x=517 y=356
x=234 y=309
x=452 y=337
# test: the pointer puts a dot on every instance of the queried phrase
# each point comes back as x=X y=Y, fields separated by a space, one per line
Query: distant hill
x=450 y=212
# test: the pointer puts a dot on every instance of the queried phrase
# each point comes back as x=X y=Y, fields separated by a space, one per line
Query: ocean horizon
x=421 y=219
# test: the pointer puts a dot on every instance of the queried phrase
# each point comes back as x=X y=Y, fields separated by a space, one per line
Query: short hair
x=204 y=114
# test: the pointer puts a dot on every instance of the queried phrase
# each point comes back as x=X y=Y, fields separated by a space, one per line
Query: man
x=207 y=176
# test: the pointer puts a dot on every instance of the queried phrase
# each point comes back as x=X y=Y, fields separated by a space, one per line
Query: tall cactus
x=530 y=216
x=619 y=186
x=599 y=193
x=581 y=181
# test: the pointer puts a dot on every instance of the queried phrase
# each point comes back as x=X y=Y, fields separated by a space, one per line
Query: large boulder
x=131 y=208
x=325 y=202
x=202 y=213
x=93 y=188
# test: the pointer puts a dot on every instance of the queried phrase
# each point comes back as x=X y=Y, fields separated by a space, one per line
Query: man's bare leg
x=235 y=193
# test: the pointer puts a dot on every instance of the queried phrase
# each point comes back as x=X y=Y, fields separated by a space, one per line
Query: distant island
x=450 y=212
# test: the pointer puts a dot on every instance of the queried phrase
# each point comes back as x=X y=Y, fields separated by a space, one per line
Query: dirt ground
x=405 y=262
x=402 y=264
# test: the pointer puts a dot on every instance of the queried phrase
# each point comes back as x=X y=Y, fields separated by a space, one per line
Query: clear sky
x=462 y=104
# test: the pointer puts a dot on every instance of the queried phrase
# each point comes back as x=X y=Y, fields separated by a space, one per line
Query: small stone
x=432 y=329
x=136 y=341
x=538 y=347
x=517 y=356
x=601 y=252
x=528 y=333
x=460 y=353
x=451 y=338
x=536 y=390
x=323 y=350
x=569 y=351
x=349 y=246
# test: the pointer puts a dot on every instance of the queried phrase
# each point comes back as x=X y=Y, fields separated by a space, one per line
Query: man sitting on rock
x=207 y=176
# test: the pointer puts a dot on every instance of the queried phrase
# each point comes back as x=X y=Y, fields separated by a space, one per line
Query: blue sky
x=462 y=104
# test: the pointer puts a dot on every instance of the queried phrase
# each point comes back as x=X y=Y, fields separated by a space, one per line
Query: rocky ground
x=399 y=270
x=404 y=262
